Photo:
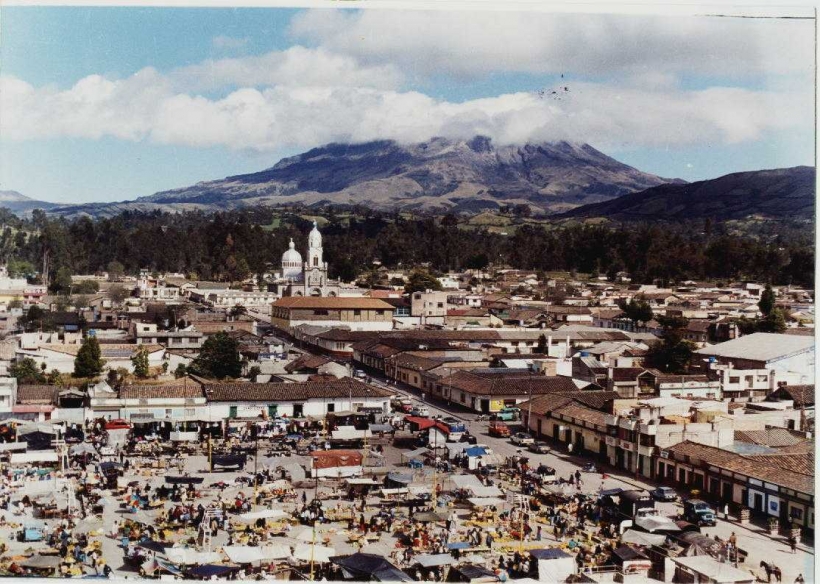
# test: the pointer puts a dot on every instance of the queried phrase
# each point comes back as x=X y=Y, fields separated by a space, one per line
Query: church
x=308 y=278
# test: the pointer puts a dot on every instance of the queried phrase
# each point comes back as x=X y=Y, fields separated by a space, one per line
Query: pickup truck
x=499 y=430
x=507 y=414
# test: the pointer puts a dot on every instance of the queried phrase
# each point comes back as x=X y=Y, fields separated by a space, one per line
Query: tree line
x=233 y=245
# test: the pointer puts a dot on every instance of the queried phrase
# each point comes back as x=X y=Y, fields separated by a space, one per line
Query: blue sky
x=103 y=104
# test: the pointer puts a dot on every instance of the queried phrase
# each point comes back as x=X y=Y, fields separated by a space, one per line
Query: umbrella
x=318 y=553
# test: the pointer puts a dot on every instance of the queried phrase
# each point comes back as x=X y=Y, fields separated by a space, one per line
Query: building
x=772 y=484
x=751 y=366
x=357 y=314
x=294 y=400
x=148 y=334
x=308 y=278
x=177 y=401
x=430 y=306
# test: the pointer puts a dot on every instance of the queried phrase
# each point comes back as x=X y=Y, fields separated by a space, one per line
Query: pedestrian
x=569 y=448
x=793 y=544
x=304 y=497
x=799 y=579
x=726 y=511
x=538 y=534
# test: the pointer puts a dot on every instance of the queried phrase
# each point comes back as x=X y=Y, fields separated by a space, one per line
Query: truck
x=499 y=430
x=699 y=512
x=508 y=414
x=637 y=508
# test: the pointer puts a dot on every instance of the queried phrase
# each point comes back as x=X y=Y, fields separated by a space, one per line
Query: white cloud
x=295 y=66
x=147 y=106
x=226 y=43
x=475 y=43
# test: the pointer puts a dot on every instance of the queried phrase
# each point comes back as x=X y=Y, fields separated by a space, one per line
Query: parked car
x=699 y=512
x=507 y=414
x=539 y=447
x=420 y=412
x=499 y=429
x=664 y=494
x=589 y=467
x=522 y=439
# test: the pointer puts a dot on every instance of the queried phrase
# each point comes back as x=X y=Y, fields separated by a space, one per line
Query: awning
x=432 y=560
x=486 y=491
x=31 y=457
x=316 y=553
x=10 y=446
x=641 y=538
x=362 y=481
x=381 y=428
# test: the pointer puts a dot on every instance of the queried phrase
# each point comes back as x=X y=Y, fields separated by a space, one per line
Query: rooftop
x=760 y=347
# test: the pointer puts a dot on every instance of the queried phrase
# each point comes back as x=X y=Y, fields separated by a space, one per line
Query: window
x=331 y=408
x=315 y=261
x=297 y=410
x=440 y=305
x=232 y=411
x=320 y=312
x=190 y=411
x=357 y=312
x=734 y=380
x=380 y=312
x=796 y=513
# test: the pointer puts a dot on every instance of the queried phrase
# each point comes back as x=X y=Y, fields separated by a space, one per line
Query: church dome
x=291 y=262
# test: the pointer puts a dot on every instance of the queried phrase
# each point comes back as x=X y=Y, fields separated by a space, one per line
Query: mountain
x=785 y=193
x=21 y=204
x=437 y=175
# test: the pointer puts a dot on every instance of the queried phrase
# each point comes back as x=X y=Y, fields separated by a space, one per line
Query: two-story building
x=357 y=314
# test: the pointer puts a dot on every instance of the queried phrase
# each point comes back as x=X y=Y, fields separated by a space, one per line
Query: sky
x=106 y=104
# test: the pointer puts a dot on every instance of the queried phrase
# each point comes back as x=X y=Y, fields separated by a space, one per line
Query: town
x=480 y=425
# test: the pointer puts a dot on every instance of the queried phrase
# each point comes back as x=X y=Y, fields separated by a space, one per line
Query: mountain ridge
x=781 y=193
x=440 y=175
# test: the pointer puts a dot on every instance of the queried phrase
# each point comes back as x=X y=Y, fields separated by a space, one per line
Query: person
x=733 y=539
x=569 y=448
x=799 y=579
x=793 y=544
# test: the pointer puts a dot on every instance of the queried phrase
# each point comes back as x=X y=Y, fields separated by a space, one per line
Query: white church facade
x=309 y=277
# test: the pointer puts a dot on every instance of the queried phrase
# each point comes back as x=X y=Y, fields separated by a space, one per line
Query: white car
x=521 y=439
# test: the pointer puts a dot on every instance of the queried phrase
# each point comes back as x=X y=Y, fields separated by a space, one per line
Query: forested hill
x=786 y=193
x=231 y=246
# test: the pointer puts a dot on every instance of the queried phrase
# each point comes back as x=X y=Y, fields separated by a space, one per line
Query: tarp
x=642 y=538
x=371 y=567
x=242 y=554
x=432 y=560
x=262 y=514
x=657 y=523
x=42 y=562
x=157 y=564
x=401 y=478
x=475 y=451
x=381 y=428
x=336 y=458
x=296 y=471
x=186 y=556
x=466 y=481
x=418 y=452
x=31 y=457
x=317 y=553
x=10 y=446
x=486 y=491
x=428 y=516
x=206 y=571
x=154 y=546
x=362 y=481
x=486 y=501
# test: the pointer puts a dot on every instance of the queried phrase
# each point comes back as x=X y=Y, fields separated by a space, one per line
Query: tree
x=140 y=362
x=55 y=378
x=420 y=281
x=636 y=310
x=522 y=210
x=115 y=270
x=774 y=322
x=16 y=302
x=766 y=304
x=86 y=287
x=89 y=361
x=81 y=301
x=541 y=347
x=62 y=281
x=180 y=371
x=254 y=371
x=117 y=294
x=26 y=371
x=218 y=358
x=673 y=355
x=237 y=310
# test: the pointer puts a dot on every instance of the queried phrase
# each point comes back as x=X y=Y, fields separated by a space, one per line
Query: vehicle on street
x=499 y=430
x=420 y=412
x=539 y=447
x=589 y=467
x=664 y=494
x=522 y=439
x=507 y=414
x=699 y=512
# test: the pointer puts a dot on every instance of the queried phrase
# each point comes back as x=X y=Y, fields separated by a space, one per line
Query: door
x=758 y=502
x=727 y=491
x=232 y=411
x=272 y=411
x=297 y=410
